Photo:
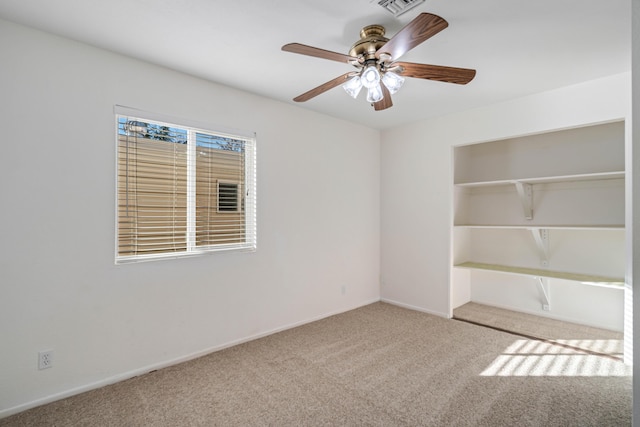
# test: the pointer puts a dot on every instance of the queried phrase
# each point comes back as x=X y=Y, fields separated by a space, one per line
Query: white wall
x=417 y=222
x=318 y=223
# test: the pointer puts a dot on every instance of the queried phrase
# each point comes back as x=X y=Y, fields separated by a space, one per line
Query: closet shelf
x=543 y=226
x=613 y=282
x=546 y=179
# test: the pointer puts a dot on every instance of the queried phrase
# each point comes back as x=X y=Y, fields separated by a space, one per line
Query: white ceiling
x=517 y=47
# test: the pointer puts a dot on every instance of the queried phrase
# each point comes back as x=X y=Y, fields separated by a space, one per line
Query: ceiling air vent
x=398 y=7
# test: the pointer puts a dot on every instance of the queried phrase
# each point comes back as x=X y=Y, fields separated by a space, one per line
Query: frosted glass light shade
x=353 y=86
x=392 y=81
x=370 y=76
x=374 y=93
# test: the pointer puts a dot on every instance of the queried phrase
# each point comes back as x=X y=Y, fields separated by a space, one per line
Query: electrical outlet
x=343 y=289
x=45 y=359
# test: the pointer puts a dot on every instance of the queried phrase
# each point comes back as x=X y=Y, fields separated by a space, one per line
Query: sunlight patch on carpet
x=526 y=358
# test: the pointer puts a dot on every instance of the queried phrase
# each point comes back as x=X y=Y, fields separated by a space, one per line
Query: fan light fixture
x=353 y=86
x=374 y=93
x=392 y=81
x=371 y=78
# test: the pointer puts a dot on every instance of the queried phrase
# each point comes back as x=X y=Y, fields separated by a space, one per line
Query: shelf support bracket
x=525 y=192
x=544 y=288
x=541 y=237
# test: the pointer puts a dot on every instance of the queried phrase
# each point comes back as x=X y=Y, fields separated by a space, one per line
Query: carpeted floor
x=570 y=334
x=379 y=365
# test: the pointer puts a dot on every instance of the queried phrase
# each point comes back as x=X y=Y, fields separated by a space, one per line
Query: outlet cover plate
x=45 y=359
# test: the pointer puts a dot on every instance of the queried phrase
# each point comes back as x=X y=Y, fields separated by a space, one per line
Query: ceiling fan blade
x=318 y=53
x=415 y=32
x=440 y=73
x=385 y=102
x=324 y=87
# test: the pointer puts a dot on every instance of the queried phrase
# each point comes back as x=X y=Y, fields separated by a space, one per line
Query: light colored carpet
x=570 y=334
x=379 y=365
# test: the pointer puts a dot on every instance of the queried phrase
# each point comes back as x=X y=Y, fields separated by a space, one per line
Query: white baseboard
x=415 y=308
x=146 y=369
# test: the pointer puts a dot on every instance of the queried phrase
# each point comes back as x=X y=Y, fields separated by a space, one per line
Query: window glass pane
x=220 y=165
x=152 y=188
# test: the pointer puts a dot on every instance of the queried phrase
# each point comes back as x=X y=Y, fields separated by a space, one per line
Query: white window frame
x=246 y=200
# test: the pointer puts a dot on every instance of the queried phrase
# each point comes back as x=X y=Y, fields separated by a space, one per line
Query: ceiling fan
x=375 y=58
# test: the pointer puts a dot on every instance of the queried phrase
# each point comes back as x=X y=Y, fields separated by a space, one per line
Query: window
x=182 y=190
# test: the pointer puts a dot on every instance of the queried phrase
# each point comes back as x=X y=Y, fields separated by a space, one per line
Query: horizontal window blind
x=182 y=191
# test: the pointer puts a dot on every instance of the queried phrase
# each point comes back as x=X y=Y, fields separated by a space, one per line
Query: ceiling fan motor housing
x=371 y=39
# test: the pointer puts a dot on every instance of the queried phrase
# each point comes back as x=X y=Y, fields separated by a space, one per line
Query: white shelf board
x=587 y=279
x=546 y=179
x=543 y=226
